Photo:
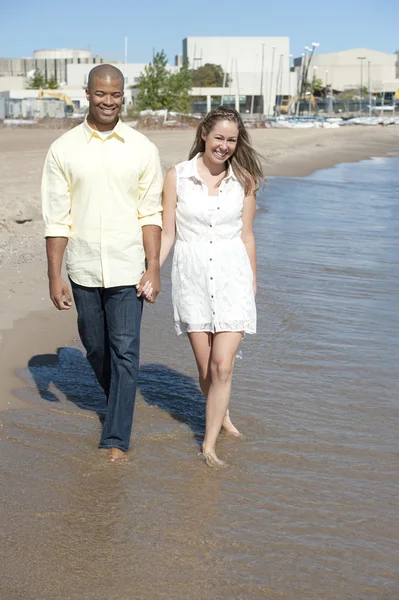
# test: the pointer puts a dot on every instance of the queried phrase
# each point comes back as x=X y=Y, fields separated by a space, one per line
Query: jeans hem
x=104 y=447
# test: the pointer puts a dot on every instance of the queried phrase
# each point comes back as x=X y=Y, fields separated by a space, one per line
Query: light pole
x=306 y=66
x=369 y=85
x=299 y=85
x=327 y=95
x=271 y=80
x=279 y=82
x=361 y=58
x=262 y=98
x=311 y=88
x=253 y=86
x=289 y=81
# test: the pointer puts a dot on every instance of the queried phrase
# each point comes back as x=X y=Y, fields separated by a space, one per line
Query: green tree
x=153 y=84
x=159 y=88
x=316 y=85
x=180 y=84
x=37 y=80
x=210 y=75
x=52 y=83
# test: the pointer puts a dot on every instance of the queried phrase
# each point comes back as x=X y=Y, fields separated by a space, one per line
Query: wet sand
x=306 y=510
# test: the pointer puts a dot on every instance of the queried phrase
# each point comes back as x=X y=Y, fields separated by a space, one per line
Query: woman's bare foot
x=211 y=460
x=229 y=428
x=114 y=454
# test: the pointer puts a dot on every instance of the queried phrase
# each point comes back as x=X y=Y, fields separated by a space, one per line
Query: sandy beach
x=28 y=322
x=305 y=509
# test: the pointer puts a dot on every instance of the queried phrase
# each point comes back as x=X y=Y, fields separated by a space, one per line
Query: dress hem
x=180 y=330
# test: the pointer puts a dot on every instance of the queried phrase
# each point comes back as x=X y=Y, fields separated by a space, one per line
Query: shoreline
x=29 y=325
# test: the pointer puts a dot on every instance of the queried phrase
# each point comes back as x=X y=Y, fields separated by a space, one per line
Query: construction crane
x=287 y=106
x=69 y=108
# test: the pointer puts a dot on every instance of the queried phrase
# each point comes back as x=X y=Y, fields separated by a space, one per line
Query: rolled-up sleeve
x=56 y=199
x=150 y=190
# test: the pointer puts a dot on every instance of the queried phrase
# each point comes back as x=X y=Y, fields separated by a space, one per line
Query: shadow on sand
x=69 y=372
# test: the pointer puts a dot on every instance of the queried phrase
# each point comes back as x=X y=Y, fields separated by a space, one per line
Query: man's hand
x=60 y=294
x=150 y=284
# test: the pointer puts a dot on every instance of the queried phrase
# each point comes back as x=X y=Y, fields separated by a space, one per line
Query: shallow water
x=307 y=508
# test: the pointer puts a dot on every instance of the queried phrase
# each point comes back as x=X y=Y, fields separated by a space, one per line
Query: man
x=101 y=192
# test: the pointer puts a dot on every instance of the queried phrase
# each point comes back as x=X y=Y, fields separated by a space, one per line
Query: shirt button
x=213 y=312
x=210 y=225
x=210 y=242
x=218 y=207
x=211 y=277
x=210 y=259
x=211 y=296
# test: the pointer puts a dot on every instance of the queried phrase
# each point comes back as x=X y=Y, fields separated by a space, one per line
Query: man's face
x=105 y=98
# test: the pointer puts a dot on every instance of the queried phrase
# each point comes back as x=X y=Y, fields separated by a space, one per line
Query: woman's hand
x=146 y=291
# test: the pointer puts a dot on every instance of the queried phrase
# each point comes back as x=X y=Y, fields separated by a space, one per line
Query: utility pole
x=361 y=58
x=306 y=70
x=271 y=81
x=369 y=86
x=262 y=98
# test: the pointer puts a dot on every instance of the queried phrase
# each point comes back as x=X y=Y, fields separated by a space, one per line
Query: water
x=308 y=507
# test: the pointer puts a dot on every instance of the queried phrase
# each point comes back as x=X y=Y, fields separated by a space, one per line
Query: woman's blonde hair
x=245 y=162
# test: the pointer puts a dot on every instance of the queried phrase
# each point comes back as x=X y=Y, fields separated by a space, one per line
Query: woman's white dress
x=212 y=281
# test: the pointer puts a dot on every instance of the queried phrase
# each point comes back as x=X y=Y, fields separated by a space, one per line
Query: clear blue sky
x=27 y=25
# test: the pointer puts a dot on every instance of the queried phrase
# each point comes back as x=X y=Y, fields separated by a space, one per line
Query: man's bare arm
x=59 y=290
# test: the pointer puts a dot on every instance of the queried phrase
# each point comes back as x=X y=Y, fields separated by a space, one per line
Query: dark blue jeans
x=109 y=322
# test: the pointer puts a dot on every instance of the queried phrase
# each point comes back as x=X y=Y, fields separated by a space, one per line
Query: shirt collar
x=191 y=169
x=117 y=131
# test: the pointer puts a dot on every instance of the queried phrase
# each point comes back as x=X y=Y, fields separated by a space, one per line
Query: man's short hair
x=105 y=71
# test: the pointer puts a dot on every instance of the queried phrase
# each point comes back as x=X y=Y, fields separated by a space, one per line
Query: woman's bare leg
x=223 y=352
x=201 y=343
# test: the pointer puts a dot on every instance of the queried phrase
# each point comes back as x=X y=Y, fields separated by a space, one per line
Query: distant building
x=52 y=63
x=259 y=70
x=352 y=69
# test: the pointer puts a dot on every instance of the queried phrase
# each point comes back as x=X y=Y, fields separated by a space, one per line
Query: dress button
x=211 y=277
x=218 y=207
x=210 y=259
x=210 y=225
x=211 y=296
x=210 y=242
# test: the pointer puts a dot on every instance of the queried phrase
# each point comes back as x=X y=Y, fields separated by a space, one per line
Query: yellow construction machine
x=70 y=107
x=288 y=106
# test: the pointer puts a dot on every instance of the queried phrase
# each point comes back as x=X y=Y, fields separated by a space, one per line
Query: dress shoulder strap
x=180 y=168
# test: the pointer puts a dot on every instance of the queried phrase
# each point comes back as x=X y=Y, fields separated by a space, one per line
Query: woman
x=208 y=209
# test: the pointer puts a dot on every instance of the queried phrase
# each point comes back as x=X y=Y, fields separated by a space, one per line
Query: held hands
x=60 y=294
x=150 y=285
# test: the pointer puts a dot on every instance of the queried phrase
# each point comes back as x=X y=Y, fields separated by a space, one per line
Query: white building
x=68 y=54
x=78 y=74
x=259 y=69
x=353 y=69
x=51 y=63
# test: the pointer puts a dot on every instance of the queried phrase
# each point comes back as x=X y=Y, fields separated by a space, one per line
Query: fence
x=31 y=108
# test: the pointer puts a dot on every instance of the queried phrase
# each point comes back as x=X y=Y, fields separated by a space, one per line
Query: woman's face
x=221 y=142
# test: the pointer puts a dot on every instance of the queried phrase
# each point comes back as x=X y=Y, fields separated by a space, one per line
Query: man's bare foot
x=114 y=454
x=211 y=460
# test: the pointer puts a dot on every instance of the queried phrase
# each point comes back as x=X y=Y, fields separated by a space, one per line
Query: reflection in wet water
x=307 y=509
